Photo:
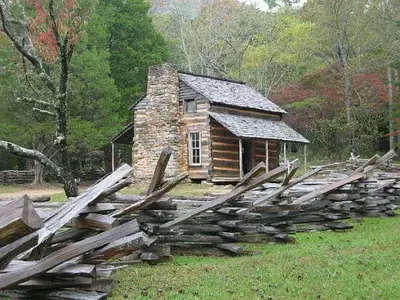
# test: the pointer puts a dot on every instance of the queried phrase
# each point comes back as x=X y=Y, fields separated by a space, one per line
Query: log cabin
x=218 y=128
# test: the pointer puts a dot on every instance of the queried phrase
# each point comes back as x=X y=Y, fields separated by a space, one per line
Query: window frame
x=185 y=106
x=190 y=148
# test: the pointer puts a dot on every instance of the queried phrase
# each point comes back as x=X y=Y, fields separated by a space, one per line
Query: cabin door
x=247 y=156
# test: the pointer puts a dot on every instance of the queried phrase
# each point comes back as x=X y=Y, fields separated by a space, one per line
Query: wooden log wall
x=16 y=176
x=225 y=153
x=260 y=149
x=194 y=122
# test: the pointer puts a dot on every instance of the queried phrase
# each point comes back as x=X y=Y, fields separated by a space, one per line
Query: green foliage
x=305 y=103
x=276 y=3
x=17 y=121
x=110 y=60
x=127 y=32
x=331 y=135
x=281 y=54
x=95 y=108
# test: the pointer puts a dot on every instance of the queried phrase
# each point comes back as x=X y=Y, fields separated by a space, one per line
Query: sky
x=261 y=4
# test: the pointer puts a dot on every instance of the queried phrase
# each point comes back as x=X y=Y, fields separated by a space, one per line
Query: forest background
x=333 y=65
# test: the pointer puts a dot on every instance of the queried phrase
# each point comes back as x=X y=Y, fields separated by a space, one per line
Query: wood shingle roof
x=227 y=92
x=252 y=127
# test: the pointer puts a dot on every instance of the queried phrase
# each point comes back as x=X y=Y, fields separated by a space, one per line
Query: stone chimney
x=156 y=123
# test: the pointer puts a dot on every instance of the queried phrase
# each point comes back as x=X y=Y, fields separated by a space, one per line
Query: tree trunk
x=396 y=79
x=347 y=95
x=70 y=186
x=38 y=167
x=39 y=173
x=19 y=34
x=390 y=112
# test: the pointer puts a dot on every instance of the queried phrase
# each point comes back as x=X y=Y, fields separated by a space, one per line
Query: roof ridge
x=213 y=77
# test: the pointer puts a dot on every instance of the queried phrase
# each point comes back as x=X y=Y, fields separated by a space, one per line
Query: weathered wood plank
x=278 y=191
x=118 y=248
x=8 y=252
x=159 y=171
x=289 y=175
x=94 y=221
x=380 y=161
x=56 y=295
x=152 y=197
x=71 y=234
x=56 y=258
x=370 y=161
x=67 y=269
x=73 y=208
x=225 y=198
x=98 y=208
x=192 y=238
x=17 y=219
x=55 y=283
x=231 y=248
x=256 y=171
x=328 y=188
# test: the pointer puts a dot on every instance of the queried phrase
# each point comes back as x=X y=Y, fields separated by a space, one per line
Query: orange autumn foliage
x=68 y=22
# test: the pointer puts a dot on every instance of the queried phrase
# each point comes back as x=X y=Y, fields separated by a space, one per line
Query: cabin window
x=190 y=106
x=194 y=148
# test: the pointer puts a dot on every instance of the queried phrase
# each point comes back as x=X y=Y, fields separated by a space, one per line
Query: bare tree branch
x=32 y=154
x=36 y=101
x=53 y=24
x=46 y=112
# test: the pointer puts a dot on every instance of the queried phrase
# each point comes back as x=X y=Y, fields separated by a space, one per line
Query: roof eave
x=122 y=132
x=137 y=102
x=249 y=108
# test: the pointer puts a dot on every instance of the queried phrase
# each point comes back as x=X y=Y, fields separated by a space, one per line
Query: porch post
x=240 y=158
x=305 y=158
x=284 y=152
x=266 y=156
x=112 y=156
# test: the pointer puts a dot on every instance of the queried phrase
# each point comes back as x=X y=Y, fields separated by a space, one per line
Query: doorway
x=247 y=156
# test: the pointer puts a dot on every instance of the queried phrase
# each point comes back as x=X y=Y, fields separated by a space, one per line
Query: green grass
x=58 y=198
x=182 y=190
x=10 y=189
x=363 y=263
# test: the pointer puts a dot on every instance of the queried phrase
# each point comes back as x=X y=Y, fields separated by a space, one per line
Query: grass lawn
x=9 y=189
x=182 y=190
x=363 y=263
x=58 y=198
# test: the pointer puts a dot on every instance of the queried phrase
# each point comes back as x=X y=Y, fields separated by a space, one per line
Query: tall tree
x=276 y=3
x=215 y=40
x=345 y=38
x=124 y=28
x=231 y=39
x=45 y=39
x=280 y=54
